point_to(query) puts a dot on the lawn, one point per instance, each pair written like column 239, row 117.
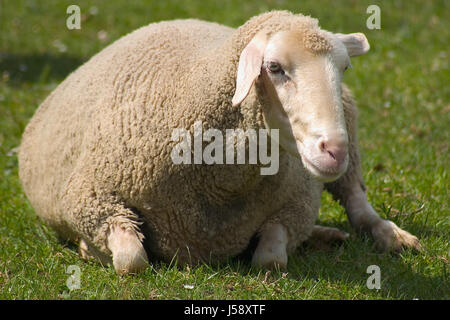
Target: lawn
column 402, row 89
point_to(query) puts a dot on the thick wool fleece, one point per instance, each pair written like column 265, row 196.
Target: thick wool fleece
column 97, row 151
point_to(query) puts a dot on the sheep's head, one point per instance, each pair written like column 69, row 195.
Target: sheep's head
column 299, row 75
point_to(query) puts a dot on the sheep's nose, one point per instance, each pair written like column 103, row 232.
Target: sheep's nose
column 334, row 152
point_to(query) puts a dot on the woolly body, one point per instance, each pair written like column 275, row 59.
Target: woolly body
column 97, row 152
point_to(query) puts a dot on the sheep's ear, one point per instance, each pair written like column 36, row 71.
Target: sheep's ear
column 356, row 43
column 249, row 67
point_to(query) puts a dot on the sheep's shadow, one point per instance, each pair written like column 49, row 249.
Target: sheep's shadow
column 344, row 265
column 43, row 67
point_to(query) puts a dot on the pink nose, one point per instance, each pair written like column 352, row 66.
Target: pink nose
column 334, row 153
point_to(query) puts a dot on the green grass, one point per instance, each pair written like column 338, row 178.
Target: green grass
column 402, row 89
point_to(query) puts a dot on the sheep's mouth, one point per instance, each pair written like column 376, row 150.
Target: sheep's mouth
column 323, row 175
column 296, row 149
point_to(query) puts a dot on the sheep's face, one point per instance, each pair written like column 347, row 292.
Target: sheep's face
column 300, row 79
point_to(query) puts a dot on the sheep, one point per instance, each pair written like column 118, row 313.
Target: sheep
column 95, row 159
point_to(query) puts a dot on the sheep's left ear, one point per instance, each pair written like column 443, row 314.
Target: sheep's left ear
column 249, row 67
column 356, row 43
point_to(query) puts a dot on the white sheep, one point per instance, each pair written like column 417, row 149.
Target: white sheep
column 95, row 160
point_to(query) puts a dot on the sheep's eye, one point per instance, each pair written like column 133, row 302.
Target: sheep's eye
column 348, row 66
column 274, row 67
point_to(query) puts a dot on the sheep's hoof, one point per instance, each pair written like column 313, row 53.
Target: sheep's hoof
column 130, row 262
column 389, row 237
column 327, row 234
column 271, row 250
column 128, row 253
column 270, row 260
column 83, row 249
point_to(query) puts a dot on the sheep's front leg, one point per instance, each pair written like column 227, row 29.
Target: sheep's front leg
column 128, row 253
column 349, row 190
column 271, row 250
column 387, row 235
column 107, row 229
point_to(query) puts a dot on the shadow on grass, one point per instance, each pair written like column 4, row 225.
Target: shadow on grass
column 340, row 270
column 345, row 265
column 29, row 68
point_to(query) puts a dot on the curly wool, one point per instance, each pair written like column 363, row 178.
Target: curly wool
column 97, row 151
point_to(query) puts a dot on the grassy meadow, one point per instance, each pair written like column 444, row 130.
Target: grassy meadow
column 403, row 93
